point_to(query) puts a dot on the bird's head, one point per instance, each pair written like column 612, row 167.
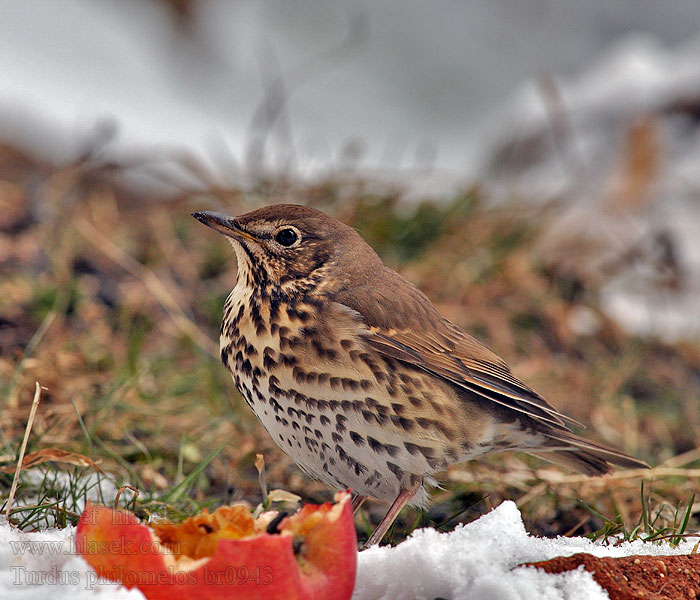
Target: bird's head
column 294, row 249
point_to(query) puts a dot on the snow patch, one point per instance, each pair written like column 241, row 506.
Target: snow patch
column 479, row 561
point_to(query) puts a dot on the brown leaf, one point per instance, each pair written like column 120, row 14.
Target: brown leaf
column 53, row 454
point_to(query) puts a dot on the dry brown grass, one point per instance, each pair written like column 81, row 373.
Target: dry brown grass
column 111, row 300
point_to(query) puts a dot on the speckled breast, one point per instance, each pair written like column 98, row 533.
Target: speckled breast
column 344, row 413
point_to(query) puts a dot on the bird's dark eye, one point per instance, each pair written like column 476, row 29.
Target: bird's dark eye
column 286, row 237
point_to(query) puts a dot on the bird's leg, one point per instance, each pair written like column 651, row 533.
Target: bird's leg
column 402, row 499
column 357, row 501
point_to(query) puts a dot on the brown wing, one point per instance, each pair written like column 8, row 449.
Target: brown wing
column 463, row 361
column 404, row 325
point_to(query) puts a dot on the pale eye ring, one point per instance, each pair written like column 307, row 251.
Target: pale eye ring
column 287, row 236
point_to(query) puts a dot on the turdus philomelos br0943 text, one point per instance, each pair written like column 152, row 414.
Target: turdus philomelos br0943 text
column 358, row 377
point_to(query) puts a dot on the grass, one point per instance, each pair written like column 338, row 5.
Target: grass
column 112, row 301
column 663, row 522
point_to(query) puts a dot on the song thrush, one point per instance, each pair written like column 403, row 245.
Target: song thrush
column 357, row 376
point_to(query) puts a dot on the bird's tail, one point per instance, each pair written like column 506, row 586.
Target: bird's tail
column 583, row 455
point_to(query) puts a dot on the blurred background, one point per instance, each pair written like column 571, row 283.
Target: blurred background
column 534, row 166
column 589, row 102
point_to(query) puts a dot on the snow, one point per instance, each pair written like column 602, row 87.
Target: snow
column 636, row 83
column 43, row 565
column 71, row 491
column 477, row 561
column 404, row 100
column 480, row 561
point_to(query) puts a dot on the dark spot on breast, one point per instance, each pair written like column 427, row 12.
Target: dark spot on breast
column 395, row 469
column 225, row 353
column 274, row 307
column 389, row 363
column 403, row 422
column 424, row 423
column 398, row 408
column 289, row 360
column 391, row 450
column 357, row 438
column 412, row 448
column 417, row 402
column 427, row 452
column 444, row 430
column 437, row 407
column 371, row 402
column 350, row 384
column 346, row 344
column 325, row 420
column 374, row 444
column 367, row 359
column 298, row 315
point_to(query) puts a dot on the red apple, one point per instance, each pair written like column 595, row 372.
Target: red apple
column 312, row 555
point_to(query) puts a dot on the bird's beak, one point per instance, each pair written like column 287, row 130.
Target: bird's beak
column 223, row 224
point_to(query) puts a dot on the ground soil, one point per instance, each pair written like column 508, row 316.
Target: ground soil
column 635, row 577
